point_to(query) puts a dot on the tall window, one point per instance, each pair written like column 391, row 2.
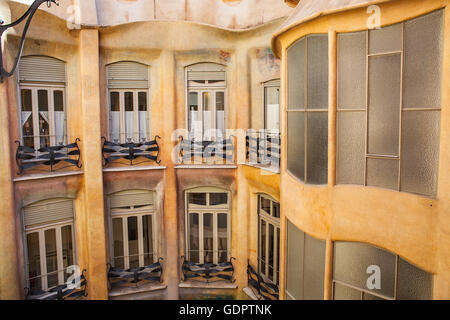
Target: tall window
column 272, row 106
column 269, row 238
column 307, row 112
column 42, row 83
column 208, row 226
column 207, row 101
column 305, row 265
column 389, row 106
column 129, row 102
column 132, row 229
column 365, row 272
column 50, row 243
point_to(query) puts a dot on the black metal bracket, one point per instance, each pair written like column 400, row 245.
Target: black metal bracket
column 28, row 16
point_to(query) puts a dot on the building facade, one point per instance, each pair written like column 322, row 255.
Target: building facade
column 162, row 150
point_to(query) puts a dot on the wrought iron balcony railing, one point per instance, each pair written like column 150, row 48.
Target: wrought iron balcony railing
column 135, row 277
column 48, row 158
column 262, row 289
column 62, row 292
column 207, row 152
column 263, row 148
column 130, row 154
column 208, row 272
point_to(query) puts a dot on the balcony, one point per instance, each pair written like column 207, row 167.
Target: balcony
column 207, row 275
column 258, row 288
column 209, row 153
column 263, row 149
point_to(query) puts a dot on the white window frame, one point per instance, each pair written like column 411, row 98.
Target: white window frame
column 275, row 83
column 268, row 218
column 122, row 120
column 50, row 88
column 139, row 213
column 43, row 262
column 215, row 211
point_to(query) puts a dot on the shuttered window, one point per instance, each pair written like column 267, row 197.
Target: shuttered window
column 48, row 211
column 133, row 229
column 42, row 69
column 129, row 102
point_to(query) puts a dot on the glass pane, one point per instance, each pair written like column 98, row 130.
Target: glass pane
column 278, row 257
column 143, row 115
column 208, row 237
column 420, row 152
column 114, row 117
column 366, row 296
column 294, row 261
column 423, row 61
column 207, row 115
column 44, row 127
column 296, row 75
column 220, row 114
column 342, row 292
column 352, row 71
column 34, row 261
column 317, row 72
column 60, row 117
column 129, row 116
column 272, row 108
column 194, row 237
column 133, row 244
column 51, row 257
column 386, row 39
column 276, row 209
column 265, row 205
column 296, row 144
column 317, row 155
column 382, row 173
column 197, row 198
column 193, row 122
column 222, row 233
column 413, row 283
column 314, row 269
column 67, row 248
column 43, row 100
column 271, row 250
column 384, row 104
column 218, row 199
column 351, row 262
column 351, row 153
column 262, row 257
column 27, row 118
column 118, row 243
column 148, row 239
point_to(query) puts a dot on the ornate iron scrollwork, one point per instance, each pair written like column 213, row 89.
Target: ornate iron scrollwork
column 264, row 290
column 28, row 15
column 28, row 158
column 147, row 151
column 206, row 150
column 208, row 272
column 135, row 277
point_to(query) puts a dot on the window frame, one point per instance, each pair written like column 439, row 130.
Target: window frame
column 207, row 209
column 274, row 83
column 268, row 218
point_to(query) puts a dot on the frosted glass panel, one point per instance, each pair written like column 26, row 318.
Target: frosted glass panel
column 317, row 72
column 296, row 144
column 294, row 261
column 351, row 260
column 352, row 71
column 317, row 154
column 382, row 173
column 386, row 39
column 423, row 61
column 351, row 147
column 413, row 283
column 384, row 104
column 314, row 268
column 342, row 292
column 296, row 75
column 420, row 148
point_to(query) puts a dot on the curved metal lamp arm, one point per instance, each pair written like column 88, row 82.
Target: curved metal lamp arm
column 30, row 13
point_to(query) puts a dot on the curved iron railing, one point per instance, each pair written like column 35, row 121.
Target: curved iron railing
column 146, row 151
column 134, row 277
column 208, row 272
column 204, row 151
column 264, row 290
column 263, row 148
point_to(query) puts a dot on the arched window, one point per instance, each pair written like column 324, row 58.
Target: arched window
column 133, row 229
column 206, row 118
column 208, row 217
column 50, row 243
column 42, row 82
column 129, row 102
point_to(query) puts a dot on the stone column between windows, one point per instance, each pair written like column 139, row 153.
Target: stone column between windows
column 91, row 213
column 10, row 285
